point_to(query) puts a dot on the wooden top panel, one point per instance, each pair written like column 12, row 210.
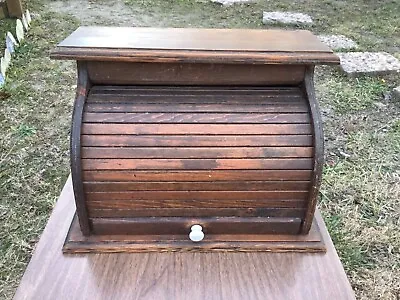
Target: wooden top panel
column 194, row 39
column 194, row 45
column 52, row 275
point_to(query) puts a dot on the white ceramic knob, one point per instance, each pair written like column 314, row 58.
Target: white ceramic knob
column 196, row 234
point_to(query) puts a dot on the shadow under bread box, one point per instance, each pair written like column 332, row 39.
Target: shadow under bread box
column 195, row 139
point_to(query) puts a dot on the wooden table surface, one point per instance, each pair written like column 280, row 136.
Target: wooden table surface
column 52, row 275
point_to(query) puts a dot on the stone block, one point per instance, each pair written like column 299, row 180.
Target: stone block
column 368, row 63
column 292, row 18
column 336, row 42
column 231, row 2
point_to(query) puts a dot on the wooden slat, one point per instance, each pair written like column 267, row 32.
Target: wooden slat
column 200, row 118
column 197, row 164
column 236, row 92
column 192, row 197
column 225, row 99
column 198, row 212
column 196, row 140
column 193, row 129
column 176, row 225
column 287, row 107
column 210, row 175
column 200, row 90
column 197, row 186
column 191, row 152
column 193, row 204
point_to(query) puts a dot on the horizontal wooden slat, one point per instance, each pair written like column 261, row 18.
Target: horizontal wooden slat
column 198, row 212
column 264, row 100
column 197, row 186
column 281, row 107
column 210, row 175
column 190, row 196
column 193, row 129
column 171, row 225
column 197, row 164
column 192, row 99
column 197, row 118
column 197, row 95
column 204, row 152
column 185, row 203
column 194, row 90
column 196, row 140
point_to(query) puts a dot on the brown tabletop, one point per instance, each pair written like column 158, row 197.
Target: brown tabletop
column 52, row 275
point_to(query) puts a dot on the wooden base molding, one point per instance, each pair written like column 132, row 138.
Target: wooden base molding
column 76, row 242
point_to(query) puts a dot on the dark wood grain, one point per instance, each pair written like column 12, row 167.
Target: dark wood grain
column 181, row 225
column 190, row 107
column 14, row 8
column 201, row 57
column 241, row 40
column 83, row 86
column 197, row 129
column 220, row 275
column 210, row 175
column 311, row 243
column 180, row 119
column 202, row 118
column 194, row 45
column 154, row 152
column 266, row 94
column 122, row 73
column 196, row 196
column 198, row 212
column 164, row 202
column 199, row 152
column 318, row 149
column 196, row 186
column 176, row 94
column 199, row 138
column 197, row 164
column 127, row 140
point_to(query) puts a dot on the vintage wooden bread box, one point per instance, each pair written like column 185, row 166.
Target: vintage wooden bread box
column 206, row 139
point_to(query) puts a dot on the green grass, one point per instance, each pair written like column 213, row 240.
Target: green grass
column 373, row 24
column 35, row 121
column 349, row 95
column 360, row 194
column 361, row 183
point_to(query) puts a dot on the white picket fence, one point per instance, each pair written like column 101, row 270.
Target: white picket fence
column 22, row 25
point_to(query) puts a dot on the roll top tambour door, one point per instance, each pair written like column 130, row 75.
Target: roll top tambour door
column 196, row 151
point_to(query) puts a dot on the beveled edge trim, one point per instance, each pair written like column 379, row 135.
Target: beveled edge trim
column 83, row 86
column 194, row 56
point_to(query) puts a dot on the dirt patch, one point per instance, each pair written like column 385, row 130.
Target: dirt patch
column 96, row 13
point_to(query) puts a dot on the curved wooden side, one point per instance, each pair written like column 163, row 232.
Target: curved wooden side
column 318, row 141
column 75, row 147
